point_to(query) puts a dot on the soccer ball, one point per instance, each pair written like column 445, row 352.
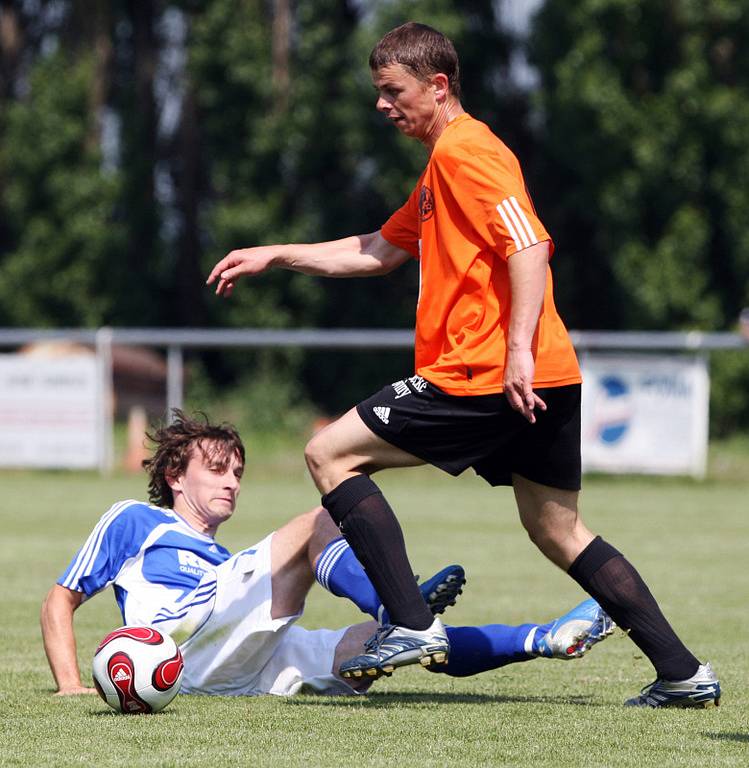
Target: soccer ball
column 137, row 670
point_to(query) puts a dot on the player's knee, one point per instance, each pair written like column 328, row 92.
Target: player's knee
column 311, row 519
column 325, row 465
column 322, row 523
column 540, row 533
column 316, row 455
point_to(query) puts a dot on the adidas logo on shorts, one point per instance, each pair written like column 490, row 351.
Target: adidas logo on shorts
column 382, row 413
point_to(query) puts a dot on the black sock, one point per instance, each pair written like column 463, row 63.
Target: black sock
column 373, row 532
column 603, row 572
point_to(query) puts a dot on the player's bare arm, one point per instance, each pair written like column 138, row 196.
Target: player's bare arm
column 59, row 639
column 527, row 270
column 357, row 256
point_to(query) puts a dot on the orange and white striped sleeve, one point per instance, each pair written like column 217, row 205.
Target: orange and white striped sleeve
column 490, row 192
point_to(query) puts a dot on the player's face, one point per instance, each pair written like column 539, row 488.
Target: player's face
column 409, row 103
column 206, row 494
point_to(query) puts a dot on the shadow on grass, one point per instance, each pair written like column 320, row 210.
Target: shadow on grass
column 112, row 713
column 740, row 737
column 417, row 700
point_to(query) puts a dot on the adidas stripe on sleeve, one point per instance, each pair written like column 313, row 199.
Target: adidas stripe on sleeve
column 517, row 224
column 116, row 537
column 487, row 204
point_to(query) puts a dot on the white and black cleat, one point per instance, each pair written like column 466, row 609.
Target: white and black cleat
column 393, row 646
column 701, row 690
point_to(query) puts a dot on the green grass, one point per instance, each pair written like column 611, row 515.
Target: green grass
column 690, row 541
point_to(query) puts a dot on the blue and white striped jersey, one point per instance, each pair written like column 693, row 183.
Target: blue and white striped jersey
column 154, row 559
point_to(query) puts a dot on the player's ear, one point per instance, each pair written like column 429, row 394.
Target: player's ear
column 174, row 481
column 441, row 85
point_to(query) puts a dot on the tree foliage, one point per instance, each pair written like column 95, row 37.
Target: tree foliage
column 58, row 207
column 140, row 140
column 646, row 137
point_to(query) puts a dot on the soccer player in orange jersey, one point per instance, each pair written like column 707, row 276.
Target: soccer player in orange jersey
column 496, row 385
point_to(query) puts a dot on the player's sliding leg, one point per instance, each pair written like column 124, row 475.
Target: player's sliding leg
column 551, row 518
column 337, row 458
column 309, row 544
column 479, row 649
column 338, row 570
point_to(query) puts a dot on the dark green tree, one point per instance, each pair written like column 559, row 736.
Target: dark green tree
column 296, row 151
column 645, row 113
column 57, row 204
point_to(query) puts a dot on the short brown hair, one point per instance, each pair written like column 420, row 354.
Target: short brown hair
column 174, row 445
column 420, row 49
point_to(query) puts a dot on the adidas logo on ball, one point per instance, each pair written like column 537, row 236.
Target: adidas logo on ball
column 137, row 669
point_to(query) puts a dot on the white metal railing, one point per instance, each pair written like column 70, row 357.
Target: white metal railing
column 346, row 338
column 176, row 340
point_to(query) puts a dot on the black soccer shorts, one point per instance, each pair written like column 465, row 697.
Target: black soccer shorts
column 481, row 431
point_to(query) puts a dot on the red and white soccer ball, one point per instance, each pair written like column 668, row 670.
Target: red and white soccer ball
column 137, row 670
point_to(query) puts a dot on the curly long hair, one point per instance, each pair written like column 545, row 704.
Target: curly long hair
column 174, row 445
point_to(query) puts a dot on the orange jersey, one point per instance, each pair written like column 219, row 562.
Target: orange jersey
column 468, row 214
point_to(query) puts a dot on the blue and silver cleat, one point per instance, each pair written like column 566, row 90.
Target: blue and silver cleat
column 573, row 634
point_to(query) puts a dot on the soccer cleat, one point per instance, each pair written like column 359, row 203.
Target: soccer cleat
column 576, row 632
column 392, row 646
column 439, row 592
column 700, row 690
column 442, row 590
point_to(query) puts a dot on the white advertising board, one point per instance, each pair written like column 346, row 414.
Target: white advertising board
column 49, row 412
column 645, row 414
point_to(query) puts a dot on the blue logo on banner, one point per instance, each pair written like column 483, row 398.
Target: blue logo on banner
column 615, row 406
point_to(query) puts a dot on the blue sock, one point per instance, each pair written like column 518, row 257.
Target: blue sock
column 341, row 573
column 479, row 649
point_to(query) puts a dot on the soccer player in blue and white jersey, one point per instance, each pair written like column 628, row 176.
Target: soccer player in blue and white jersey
column 233, row 615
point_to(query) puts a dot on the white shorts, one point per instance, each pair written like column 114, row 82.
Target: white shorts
column 239, row 650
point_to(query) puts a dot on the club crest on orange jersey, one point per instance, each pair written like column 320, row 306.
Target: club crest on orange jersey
column 426, row 203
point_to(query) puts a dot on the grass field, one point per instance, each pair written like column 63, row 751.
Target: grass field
column 690, row 541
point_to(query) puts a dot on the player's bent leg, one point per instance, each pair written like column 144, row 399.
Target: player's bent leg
column 293, row 549
column 348, row 447
column 551, row 518
column 236, row 634
column 338, row 570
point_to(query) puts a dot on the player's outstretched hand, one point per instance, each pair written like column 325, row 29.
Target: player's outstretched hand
column 75, row 690
column 518, row 383
column 244, row 261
